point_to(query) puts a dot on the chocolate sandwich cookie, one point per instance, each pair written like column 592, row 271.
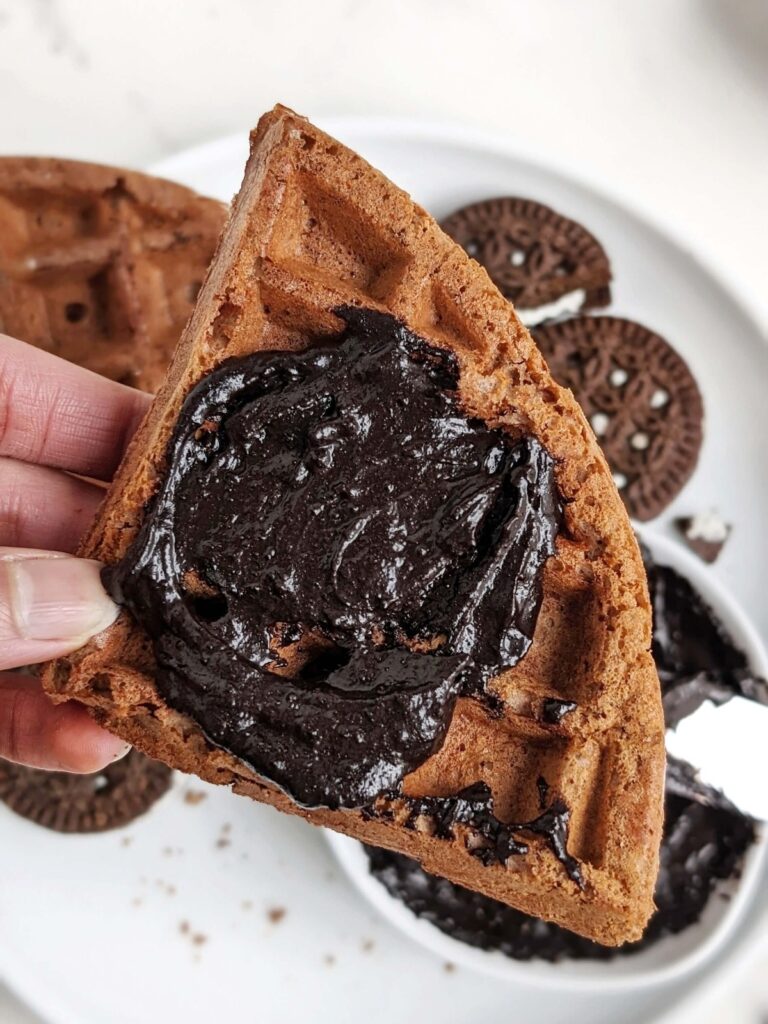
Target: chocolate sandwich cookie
column 101, row 265
column 545, row 263
column 641, row 399
column 97, row 802
column 705, row 836
column 705, row 534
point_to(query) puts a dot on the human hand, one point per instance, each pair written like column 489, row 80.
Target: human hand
column 55, row 420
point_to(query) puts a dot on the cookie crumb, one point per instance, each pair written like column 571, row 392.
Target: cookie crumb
column 196, row 938
column 329, row 959
column 705, row 533
column 223, row 841
column 367, row 945
column 448, row 967
column 137, row 901
column 126, row 840
column 276, row 914
column 193, row 797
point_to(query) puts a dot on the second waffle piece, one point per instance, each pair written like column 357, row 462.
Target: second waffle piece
column 101, row 265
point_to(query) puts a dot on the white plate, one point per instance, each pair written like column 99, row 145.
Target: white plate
column 673, row 956
column 73, row 943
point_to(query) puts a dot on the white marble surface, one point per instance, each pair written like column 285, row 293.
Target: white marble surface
column 668, row 98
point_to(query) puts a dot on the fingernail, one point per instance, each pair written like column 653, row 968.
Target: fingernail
column 58, row 598
column 122, row 751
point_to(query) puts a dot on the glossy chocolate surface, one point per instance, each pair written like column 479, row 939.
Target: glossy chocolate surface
column 696, row 658
column 336, row 552
column 496, row 841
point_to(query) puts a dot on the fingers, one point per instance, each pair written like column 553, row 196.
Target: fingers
column 59, row 415
column 43, row 508
column 50, row 604
column 59, row 737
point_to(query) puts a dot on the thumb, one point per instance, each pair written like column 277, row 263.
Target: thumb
column 50, row 604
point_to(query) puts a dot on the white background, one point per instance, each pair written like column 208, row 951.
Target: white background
column 667, row 98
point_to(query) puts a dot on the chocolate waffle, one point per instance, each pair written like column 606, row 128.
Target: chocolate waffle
column 546, row 790
column 100, row 265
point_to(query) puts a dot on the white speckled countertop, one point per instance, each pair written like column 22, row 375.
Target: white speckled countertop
column 667, row 97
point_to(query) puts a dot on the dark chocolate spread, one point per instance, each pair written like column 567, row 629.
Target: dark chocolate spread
column 705, row 838
column 695, row 657
column 705, row 835
column 335, row 553
column 498, row 840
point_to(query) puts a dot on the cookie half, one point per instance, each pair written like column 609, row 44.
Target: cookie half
column 641, row 399
column 96, row 802
column 545, row 263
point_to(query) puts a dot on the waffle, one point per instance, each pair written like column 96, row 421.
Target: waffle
column 99, row 265
column 313, row 228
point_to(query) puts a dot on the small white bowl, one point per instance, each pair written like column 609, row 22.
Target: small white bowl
column 666, row 960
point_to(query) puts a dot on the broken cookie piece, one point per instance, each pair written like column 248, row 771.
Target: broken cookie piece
column 705, row 533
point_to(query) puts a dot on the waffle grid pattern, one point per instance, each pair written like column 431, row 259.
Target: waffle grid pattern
column 96, row 273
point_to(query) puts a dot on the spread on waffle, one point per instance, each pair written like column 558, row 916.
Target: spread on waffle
column 101, row 265
column 705, row 842
column 394, row 559
column 706, row 838
column 510, row 739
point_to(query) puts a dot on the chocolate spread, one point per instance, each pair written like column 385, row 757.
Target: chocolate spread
column 336, row 552
column 695, row 657
column 705, row 836
column 495, row 841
